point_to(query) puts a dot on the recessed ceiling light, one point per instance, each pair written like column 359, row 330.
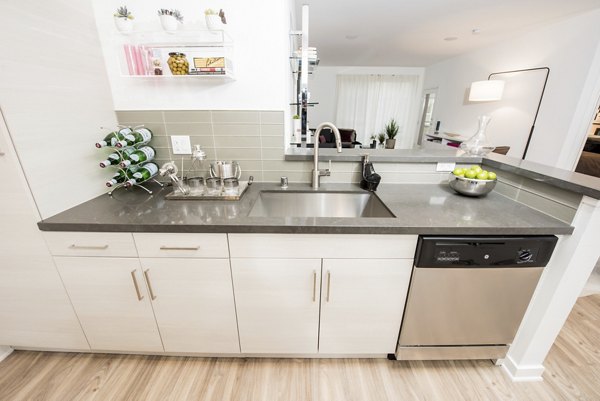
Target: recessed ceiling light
column 450, row 38
column 351, row 37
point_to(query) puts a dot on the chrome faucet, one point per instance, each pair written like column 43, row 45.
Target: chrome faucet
column 316, row 173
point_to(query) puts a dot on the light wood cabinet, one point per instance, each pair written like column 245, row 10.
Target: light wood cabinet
column 277, row 304
column 34, row 308
column 362, row 305
column 193, row 304
column 112, row 302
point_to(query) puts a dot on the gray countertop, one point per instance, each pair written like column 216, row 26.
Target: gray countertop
column 419, row 209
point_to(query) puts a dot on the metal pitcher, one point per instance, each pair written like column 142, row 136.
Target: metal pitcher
column 225, row 169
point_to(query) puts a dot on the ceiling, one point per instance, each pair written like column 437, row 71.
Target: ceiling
column 411, row 33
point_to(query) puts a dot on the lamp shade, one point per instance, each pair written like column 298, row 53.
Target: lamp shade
column 485, row 91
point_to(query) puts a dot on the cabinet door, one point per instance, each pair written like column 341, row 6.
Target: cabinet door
column 277, row 304
column 193, row 304
column 34, row 307
column 362, row 305
column 111, row 301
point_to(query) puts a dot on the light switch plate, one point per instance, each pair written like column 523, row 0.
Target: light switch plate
column 445, row 167
column 181, row 145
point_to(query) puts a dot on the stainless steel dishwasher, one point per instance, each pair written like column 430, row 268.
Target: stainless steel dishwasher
column 468, row 295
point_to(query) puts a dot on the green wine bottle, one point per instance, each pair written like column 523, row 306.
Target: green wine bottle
column 116, row 157
column 141, row 155
column 113, row 138
column 143, row 174
column 140, row 136
column 122, row 175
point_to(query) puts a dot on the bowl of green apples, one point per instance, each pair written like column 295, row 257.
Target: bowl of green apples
column 472, row 181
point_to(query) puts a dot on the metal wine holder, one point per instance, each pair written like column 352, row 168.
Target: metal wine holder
column 124, row 170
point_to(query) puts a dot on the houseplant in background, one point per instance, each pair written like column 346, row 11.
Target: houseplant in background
column 381, row 139
column 123, row 20
column 296, row 129
column 373, row 139
column 213, row 19
column 169, row 19
column 391, row 130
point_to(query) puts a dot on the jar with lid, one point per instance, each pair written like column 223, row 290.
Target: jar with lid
column 178, row 64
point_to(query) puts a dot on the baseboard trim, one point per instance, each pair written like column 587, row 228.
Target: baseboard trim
column 531, row 373
column 5, row 352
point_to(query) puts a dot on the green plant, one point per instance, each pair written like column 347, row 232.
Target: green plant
column 391, row 129
column 174, row 13
column 295, row 117
column 122, row 12
column 381, row 138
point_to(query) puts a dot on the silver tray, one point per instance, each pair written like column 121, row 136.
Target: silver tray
column 176, row 195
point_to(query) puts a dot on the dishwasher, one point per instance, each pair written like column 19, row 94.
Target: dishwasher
column 468, row 295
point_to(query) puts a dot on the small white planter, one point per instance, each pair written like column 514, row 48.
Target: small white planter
column 124, row 25
column 213, row 22
column 297, row 131
column 169, row 23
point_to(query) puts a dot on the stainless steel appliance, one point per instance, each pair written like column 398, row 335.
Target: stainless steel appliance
column 468, row 295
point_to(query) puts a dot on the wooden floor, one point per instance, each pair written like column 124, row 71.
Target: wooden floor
column 572, row 373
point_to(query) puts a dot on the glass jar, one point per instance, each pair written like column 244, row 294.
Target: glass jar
column 478, row 144
column 178, row 64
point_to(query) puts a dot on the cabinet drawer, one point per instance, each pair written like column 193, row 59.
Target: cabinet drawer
column 155, row 245
column 90, row 244
column 343, row 246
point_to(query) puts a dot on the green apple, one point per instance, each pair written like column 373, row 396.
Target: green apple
column 483, row 175
column 477, row 169
column 459, row 171
column 492, row 175
column 470, row 174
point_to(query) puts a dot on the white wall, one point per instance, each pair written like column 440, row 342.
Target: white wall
column 567, row 48
column 55, row 95
column 322, row 88
column 260, row 34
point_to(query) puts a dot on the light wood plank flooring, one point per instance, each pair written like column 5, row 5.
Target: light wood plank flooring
column 572, row 373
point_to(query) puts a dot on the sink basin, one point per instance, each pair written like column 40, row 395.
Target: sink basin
column 319, row 204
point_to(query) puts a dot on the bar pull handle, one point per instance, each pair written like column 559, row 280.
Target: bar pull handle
column 137, row 287
column 179, row 248
column 75, row 246
column 146, row 275
column 314, row 286
column 328, row 284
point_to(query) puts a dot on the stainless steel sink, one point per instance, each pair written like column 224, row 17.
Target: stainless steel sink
column 318, row 204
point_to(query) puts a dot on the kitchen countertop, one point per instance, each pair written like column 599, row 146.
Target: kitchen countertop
column 419, row 209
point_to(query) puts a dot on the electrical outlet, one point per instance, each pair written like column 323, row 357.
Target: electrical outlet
column 445, row 167
column 181, row 145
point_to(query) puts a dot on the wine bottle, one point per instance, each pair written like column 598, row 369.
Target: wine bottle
column 143, row 174
column 114, row 137
column 141, row 155
column 122, row 175
column 140, row 136
column 117, row 157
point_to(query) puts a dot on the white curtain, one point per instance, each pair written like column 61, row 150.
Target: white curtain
column 367, row 103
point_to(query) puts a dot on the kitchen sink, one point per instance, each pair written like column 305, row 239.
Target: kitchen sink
column 319, row 204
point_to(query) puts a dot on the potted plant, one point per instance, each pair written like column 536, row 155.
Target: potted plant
column 381, row 139
column 123, row 20
column 373, row 139
column 169, row 19
column 296, row 129
column 391, row 130
column 213, row 19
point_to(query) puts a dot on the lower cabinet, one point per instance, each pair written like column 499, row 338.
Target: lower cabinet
column 193, row 304
column 112, row 302
column 277, row 304
column 330, row 306
column 362, row 303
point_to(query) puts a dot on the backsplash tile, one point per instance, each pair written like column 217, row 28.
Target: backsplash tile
column 192, row 129
column 236, row 117
column 236, row 129
column 271, row 117
column 189, row 116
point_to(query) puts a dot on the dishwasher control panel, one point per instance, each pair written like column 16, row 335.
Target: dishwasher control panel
column 484, row 251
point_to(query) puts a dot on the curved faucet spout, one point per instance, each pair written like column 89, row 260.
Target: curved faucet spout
column 317, row 174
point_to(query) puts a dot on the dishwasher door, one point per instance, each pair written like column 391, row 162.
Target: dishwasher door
column 467, row 305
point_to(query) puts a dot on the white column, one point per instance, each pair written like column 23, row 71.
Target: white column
column 4, row 352
column 562, row 281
